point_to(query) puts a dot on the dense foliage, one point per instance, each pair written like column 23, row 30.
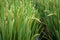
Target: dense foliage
column 29, row 20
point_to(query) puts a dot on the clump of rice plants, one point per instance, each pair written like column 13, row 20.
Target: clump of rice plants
column 18, row 20
column 49, row 11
